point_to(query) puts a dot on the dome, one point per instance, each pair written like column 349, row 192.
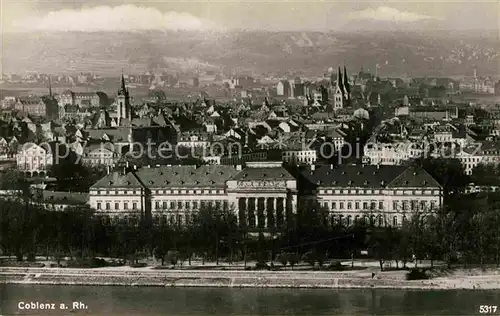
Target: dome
column 361, row 114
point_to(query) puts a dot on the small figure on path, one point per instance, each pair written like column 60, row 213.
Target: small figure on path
column 373, row 275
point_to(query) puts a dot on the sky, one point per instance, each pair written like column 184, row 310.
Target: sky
column 326, row 15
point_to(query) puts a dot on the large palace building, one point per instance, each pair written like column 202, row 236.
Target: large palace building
column 265, row 194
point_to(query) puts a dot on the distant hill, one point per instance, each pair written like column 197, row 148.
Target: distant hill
column 259, row 52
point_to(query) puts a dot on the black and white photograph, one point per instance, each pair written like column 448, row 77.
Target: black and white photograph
column 249, row 157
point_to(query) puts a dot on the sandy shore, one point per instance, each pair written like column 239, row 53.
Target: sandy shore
column 284, row 279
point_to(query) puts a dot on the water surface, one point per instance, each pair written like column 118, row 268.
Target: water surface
column 113, row 300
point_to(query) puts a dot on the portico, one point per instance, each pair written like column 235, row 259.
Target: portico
column 264, row 196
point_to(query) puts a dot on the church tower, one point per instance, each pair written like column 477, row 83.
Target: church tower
column 347, row 86
column 338, row 97
column 123, row 109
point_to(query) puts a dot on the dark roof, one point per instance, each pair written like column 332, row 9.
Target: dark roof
column 118, row 180
column 368, row 176
column 414, row 177
column 119, row 134
column 186, row 176
column 260, row 173
column 65, row 198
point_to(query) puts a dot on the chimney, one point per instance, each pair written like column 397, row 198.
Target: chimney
column 238, row 167
column 108, row 169
column 378, row 166
column 331, row 167
column 313, row 167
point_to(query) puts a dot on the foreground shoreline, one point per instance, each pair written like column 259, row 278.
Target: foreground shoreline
column 242, row 279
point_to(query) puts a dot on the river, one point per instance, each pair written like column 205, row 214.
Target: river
column 113, row 300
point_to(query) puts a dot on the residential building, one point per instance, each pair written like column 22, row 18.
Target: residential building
column 480, row 153
column 392, row 153
column 100, row 154
column 82, row 99
column 38, row 107
column 33, row 159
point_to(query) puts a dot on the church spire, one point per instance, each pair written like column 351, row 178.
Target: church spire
column 339, row 79
column 123, row 107
column 50, row 88
column 123, row 87
column 347, row 88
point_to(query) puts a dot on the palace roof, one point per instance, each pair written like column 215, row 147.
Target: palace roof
column 369, row 176
column 263, row 173
column 342, row 176
column 186, row 176
column 118, row 180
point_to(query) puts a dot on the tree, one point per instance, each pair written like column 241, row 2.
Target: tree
column 12, row 180
column 293, row 259
column 450, row 173
column 310, row 258
column 283, row 259
column 485, row 174
column 381, row 242
column 162, row 235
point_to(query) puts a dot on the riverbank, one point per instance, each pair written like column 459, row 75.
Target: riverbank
column 126, row 276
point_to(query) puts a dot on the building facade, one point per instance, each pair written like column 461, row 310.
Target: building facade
column 33, row 159
column 265, row 194
column 82, row 99
column 38, row 107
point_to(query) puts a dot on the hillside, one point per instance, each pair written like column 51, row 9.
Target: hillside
column 398, row 53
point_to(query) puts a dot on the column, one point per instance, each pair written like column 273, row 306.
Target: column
column 256, row 212
column 286, row 203
column 244, row 213
column 265, row 213
column 237, row 208
column 275, row 212
column 294, row 204
column 249, row 211
column 247, row 215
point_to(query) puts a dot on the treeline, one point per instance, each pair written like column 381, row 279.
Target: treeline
column 464, row 233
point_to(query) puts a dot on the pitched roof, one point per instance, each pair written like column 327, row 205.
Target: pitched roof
column 65, row 198
column 260, row 173
column 115, row 134
column 414, row 177
column 118, row 180
column 368, row 176
column 186, row 176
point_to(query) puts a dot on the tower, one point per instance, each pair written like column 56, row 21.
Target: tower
column 347, row 86
column 50, row 88
column 339, row 97
column 123, row 110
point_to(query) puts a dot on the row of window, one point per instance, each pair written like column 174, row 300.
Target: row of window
column 107, row 206
column 189, row 192
column 107, row 192
column 396, row 205
column 413, row 205
column 372, row 220
column 190, row 204
column 357, row 205
column 371, row 191
column 300, row 153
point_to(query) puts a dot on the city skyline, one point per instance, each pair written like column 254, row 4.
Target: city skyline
column 255, row 15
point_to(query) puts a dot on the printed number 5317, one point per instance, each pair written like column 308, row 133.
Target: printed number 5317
column 487, row 309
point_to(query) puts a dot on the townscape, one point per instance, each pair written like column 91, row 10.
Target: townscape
column 349, row 165
column 249, row 157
